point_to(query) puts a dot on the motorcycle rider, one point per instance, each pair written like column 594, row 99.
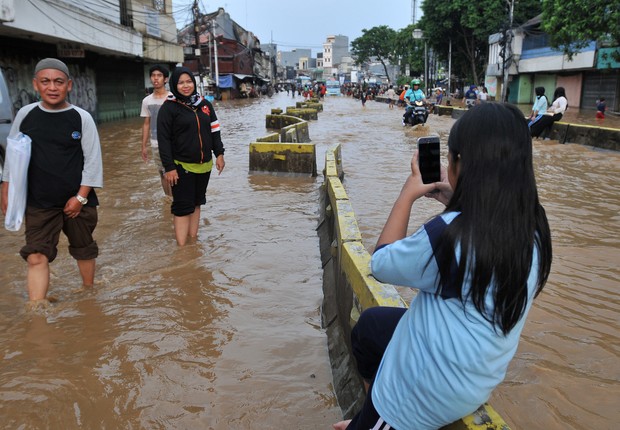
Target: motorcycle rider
column 412, row 95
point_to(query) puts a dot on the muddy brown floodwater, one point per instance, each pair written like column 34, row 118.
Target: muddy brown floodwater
column 226, row 334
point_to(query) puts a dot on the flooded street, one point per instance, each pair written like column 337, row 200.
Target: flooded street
column 226, row 333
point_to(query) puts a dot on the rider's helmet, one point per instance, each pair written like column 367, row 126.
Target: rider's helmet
column 415, row 82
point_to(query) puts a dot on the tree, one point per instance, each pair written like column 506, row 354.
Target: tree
column 408, row 51
column 377, row 43
column 572, row 25
column 468, row 24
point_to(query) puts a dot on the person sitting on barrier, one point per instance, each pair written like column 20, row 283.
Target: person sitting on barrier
column 540, row 106
column 542, row 128
column 477, row 266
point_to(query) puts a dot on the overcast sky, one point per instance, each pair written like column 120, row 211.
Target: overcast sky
column 304, row 24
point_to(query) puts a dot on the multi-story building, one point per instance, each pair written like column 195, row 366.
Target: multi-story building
column 334, row 49
column 108, row 46
column 531, row 62
column 227, row 51
column 292, row 58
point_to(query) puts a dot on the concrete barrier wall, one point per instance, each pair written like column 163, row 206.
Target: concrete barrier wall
column 287, row 151
column 304, row 113
column 273, row 137
column 349, row 288
column 277, row 121
column 283, row 157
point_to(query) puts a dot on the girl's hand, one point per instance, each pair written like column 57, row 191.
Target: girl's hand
column 172, row 177
column 442, row 190
column 414, row 188
column 219, row 164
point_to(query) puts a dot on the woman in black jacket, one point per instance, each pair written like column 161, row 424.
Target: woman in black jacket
column 188, row 133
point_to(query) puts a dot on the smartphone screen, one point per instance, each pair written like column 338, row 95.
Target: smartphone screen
column 428, row 159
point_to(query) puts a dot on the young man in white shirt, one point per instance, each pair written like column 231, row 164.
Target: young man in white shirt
column 150, row 107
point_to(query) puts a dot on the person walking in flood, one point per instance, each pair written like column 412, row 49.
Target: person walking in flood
column 477, row 266
column 65, row 168
column 150, row 108
column 188, row 133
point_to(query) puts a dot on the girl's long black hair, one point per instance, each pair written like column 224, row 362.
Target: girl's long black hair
column 501, row 219
column 540, row 92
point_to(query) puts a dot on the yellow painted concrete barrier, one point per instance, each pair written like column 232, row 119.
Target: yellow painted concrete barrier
column 283, row 157
column 349, row 288
column 287, row 151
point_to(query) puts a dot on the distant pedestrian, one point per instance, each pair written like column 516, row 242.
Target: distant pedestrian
column 401, row 97
column 363, row 96
column 483, row 95
column 439, row 95
column 391, row 95
column 600, row 108
column 471, row 97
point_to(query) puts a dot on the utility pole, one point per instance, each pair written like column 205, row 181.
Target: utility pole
column 217, row 69
column 197, row 52
column 507, row 60
column 449, row 66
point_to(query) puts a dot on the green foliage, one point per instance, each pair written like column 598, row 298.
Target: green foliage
column 409, row 51
column 377, row 43
column 572, row 25
column 468, row 24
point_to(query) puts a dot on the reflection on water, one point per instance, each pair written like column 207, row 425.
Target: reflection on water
column 225, row 334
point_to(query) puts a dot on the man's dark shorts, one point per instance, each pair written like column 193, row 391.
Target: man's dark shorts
column 43, row 227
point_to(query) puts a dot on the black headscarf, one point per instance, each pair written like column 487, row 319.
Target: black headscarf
column 193, row 99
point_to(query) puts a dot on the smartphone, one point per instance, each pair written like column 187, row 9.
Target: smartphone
column 428, row 159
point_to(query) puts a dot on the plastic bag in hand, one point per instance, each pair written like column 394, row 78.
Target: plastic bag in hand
column 17, row 158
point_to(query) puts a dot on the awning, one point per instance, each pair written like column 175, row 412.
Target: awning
column 242, row 77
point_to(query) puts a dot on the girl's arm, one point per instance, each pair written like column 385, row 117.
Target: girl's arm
column 396, row 225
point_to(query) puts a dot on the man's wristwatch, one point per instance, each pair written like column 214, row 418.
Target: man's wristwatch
column 82, row 200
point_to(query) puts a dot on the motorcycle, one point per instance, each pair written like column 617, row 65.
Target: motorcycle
column 415, row 113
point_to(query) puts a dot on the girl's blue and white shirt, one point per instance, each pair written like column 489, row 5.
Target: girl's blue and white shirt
column 445, row 358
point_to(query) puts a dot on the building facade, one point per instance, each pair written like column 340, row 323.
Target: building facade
column 592, row 73
column 229, row 54
column 334, row 49
column 107, row 45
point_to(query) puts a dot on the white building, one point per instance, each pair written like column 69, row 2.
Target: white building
column 334, row 49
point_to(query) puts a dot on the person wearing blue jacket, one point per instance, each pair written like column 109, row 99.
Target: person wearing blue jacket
column 188, row 135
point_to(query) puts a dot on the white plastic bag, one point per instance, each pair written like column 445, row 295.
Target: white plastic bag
column 17, row 158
